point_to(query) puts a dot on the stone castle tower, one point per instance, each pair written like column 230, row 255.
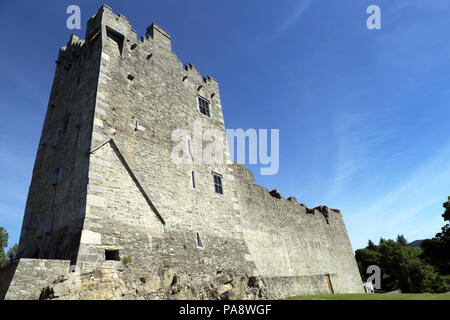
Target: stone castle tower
column 104, row 187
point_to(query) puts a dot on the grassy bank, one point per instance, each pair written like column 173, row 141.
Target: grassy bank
column 376, row 296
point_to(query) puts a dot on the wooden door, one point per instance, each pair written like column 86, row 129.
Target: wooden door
column 330, row 286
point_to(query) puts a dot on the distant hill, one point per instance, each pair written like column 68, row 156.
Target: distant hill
column 415, row 243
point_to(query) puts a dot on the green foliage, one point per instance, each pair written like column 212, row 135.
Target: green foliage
column 425, row 269
column 11, row 254
column 401, row 268
column 127, row 260
column 371, row 245
column 365, row 258
column 376, row 296
column 436, row 251
column 3, row 244
column 402, row 240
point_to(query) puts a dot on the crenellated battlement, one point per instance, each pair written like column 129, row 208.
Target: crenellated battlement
column 291, row 203
column 107, row 21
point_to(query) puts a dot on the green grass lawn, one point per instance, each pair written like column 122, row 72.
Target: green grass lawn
column 375, row 296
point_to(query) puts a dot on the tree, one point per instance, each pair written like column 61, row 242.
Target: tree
column 445, row 234
column 365, row 258
column 371, row 245
column 382, row 240
column 3, row 244
column 402, row 240
column 11, row 254
column 402, row 267
column 436, row 251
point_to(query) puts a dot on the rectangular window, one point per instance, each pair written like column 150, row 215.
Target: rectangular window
column 58, row 135
column 65, row 123
column 203, row 106
column 189, row 146
column 193, row 180
column 51, row 224
column 57, row 176
column 41, row 233
column 199, row 241
column 218, row 183
column 45, row 137
column 112, row 255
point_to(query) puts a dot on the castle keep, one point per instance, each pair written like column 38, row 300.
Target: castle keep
column 104, row 188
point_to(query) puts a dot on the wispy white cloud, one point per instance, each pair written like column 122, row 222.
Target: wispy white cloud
column 291, row 19
column 412, row 207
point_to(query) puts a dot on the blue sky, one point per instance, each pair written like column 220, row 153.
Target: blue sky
column 363, row 114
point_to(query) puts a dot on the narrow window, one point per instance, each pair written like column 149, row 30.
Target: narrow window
column 41, row 232
column 57, row 176
column 65, row 123
column 189, row 146
column 112, row 255
column 193, row 180
column 199, row 241
column 51, row 224
column 203, row 106
column 58, row 135
column 78, row 81
column 130, row 77
column 45, row 138
column 136, row 125
column 218, row 183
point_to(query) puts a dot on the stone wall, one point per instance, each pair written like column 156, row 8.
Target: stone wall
column 287, row 239
column 55, row 207
column 134, row 283
column 282, row 287
column 138, row 198
column 24, row 279
column 6, row 275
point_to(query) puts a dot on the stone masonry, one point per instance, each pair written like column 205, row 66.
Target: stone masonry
column 105, row 189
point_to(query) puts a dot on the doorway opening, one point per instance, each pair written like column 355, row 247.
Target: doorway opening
column 330, row 286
